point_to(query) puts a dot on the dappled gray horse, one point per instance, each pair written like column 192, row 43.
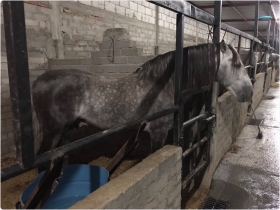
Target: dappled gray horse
column 274, row 57
column 61, row 97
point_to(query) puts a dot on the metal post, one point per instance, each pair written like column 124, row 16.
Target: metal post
column 274, row 27
column 267, row 42
column 239, row 43
column 256, row 28
column 157, row 30
column 251, row 72
column 178, row 116
column 15, row 35
column 216, row 38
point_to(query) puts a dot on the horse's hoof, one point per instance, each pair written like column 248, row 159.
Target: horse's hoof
column 18, row 205
column 82, row 124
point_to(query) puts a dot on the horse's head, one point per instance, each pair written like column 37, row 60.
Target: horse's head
column 232, row 74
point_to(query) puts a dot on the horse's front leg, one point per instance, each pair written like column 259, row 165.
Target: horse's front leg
column 50, row 140
column 158, row 135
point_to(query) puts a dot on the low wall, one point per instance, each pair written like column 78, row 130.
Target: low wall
column 258, row 90
column 268, row 80
column 231, row 117
column 153, row 183
column 274, row 75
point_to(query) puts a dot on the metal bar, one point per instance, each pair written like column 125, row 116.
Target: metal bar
column 251, row 72
column 274, row 27
column 193, row 120
column 239, row 4
column 196, row 145
column 256, row 29
column 249, row 66
column 256, row 25
column 267, row 42
column 178, row 116
column 188, row 93
column 16, row 169
column 157, row 29
column 183, row 7
column 239, row 43
column 43, row 188
column 240, row 20
column 17, row 57
column 126, row 149
column 268, row 32
column 260, row 63
column 273, row 12
column 238, row 32
column 193, row 12
column 211, row 118
column 216, row 38
column 194, row 173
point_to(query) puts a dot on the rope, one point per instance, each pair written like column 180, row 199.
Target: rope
column 113, row 56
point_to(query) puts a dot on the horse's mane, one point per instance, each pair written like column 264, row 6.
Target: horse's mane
column 199, row 65
column 155, row 68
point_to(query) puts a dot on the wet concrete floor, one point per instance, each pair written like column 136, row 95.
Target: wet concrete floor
column 249, row 178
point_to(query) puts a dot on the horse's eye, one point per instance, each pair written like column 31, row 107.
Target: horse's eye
column 237, row 64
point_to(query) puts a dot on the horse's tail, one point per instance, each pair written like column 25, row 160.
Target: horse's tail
column 37, row 131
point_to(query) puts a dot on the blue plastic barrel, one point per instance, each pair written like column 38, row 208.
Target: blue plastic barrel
column 76, row 182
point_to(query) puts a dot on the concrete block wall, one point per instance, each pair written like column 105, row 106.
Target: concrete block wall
column 230, row 119
column 258, row 90
column 153, row 183
column 275, row 74
column 126, row 66
column 267, row 80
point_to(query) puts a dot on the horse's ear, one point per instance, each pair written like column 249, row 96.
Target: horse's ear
column 223, row 46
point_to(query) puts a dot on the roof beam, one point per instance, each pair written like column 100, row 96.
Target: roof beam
column 241, row 20
column 273, row 12
column 241, row 15
column 239, row 4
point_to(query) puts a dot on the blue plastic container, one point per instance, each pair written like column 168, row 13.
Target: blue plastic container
column 76, row 182
column 265, row 17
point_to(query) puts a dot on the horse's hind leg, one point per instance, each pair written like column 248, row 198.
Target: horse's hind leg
column 50, row 141
column 158, row 138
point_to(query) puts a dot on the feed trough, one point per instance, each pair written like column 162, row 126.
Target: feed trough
column 76, row 182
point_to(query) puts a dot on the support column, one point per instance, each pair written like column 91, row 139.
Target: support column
column 17, row 57
column 257, row 5
column 178, row 116
column 216, row 38
column 56, row 29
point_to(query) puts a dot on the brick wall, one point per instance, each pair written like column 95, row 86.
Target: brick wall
column 153, row 183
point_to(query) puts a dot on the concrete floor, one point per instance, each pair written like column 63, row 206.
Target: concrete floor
column 249, row 178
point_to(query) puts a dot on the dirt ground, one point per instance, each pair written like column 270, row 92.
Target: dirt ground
column 98, row 154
